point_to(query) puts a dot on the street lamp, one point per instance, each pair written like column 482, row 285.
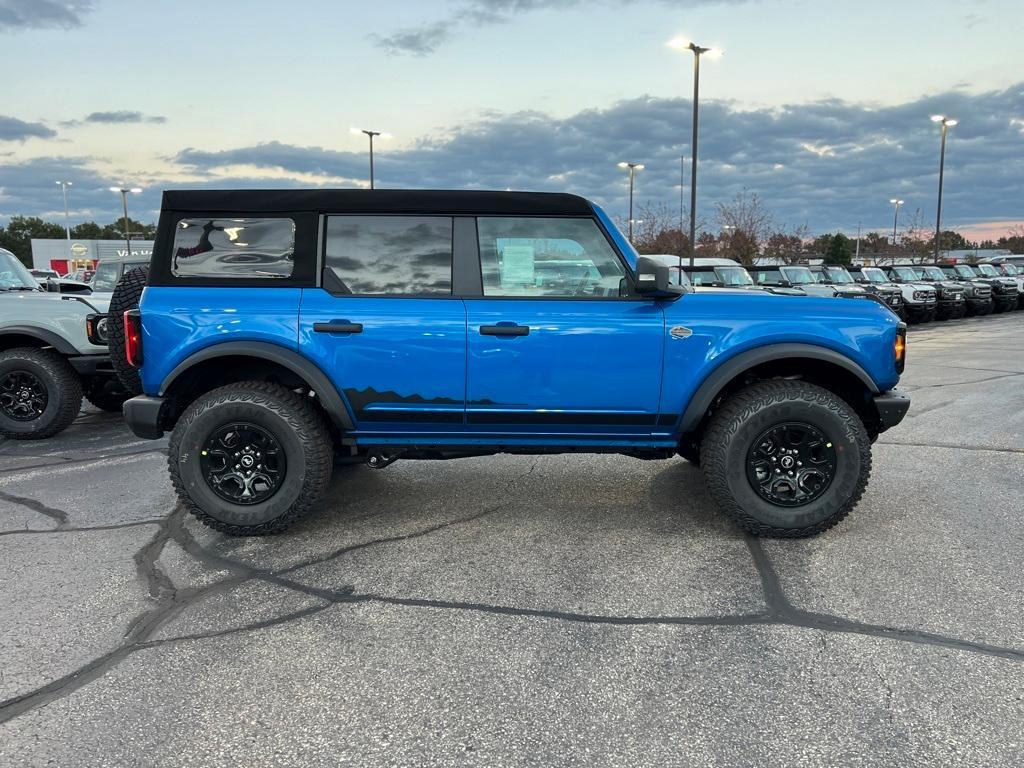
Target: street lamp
column 946, row 124
column 124, row 201
column 896, row 212
column 683, row 44
column 370, row 135
column 633, row 168
column 67, row 226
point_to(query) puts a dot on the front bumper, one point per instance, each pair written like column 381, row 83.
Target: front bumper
column 142, row 415
column 92, row 365
column 892, row 406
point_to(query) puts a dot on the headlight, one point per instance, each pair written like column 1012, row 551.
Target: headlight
column 922, row 295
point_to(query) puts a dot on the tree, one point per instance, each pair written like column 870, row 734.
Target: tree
column 782, row 247
column 915, row 243
column 657, row 231
column 738, row 245
column 19, row 232
column 840, row 250
column 950, row 241
column 87, row 230
column 746, row 214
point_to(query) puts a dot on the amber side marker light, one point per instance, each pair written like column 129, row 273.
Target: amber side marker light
column 900, row 348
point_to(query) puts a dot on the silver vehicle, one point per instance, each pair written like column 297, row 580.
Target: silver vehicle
column 47, row 359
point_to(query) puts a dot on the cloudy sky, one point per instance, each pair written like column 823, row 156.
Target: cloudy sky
column 820, row 108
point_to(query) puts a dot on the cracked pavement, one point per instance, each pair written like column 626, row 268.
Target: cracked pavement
column 561, row 610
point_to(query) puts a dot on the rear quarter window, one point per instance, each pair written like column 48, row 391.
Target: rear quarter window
column 222, row 248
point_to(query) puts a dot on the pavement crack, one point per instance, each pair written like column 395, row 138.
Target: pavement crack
column 953, row 446
column 58, row 515
column 782, row 611
column 255, row 626
column 84, row 528
column 389, row 540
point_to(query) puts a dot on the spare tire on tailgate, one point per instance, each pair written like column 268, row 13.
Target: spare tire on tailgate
column 126, row 296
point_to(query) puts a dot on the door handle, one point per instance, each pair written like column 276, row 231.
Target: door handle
column 508, row 329
column 338, row 326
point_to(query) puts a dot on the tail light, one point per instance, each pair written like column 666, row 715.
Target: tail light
column 900, row 348
column 133, row 337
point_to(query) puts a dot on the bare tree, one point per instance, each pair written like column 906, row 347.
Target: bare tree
column 915, row 244
column 746, row 213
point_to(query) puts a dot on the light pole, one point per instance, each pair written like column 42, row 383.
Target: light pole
column 124, row 201
column 946, row 124
column 633, row 168
column 895, row 215
column 698, row 51
column 370, row 135
column 67, row 225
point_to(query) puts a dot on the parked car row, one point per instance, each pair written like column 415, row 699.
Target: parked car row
column 918, row 293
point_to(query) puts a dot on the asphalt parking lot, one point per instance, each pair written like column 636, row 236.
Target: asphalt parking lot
column 567, row 610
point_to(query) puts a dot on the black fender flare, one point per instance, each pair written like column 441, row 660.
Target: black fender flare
column 309, row 372
column 724, row 373
column 44, row 335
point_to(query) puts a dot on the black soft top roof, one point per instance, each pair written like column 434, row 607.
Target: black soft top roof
column 376, row 201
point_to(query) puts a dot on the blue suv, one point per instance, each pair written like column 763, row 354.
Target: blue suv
column 282, row 331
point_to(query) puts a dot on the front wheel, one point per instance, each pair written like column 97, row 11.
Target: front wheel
column 250, row 459
column 40, row 394
column 786, row 459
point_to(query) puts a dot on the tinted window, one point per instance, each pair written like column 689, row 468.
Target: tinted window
column 767, row 276
column 548, row 257
column 391, row 255
column 106, row 276
column 234, row 248
column 703, row 277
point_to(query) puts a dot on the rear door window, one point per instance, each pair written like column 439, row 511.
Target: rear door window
column 389, row 255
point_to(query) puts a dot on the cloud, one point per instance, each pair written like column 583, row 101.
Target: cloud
column 13, row 129
column 829, row 164
column 416, row 42
column 115, row 117
column 427, row 38
column 43, row 14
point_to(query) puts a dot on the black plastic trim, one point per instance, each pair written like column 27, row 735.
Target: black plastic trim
column 326, row 392
column 724, row 373
column 892, row 406
column 92, row 365
column 142, row 415
column 42, row 334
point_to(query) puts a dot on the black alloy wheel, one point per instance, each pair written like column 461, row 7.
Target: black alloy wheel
column 791, row 464
column 243, row 463
column 22, row 396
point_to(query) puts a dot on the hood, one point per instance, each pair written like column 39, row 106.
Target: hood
column 52, row 303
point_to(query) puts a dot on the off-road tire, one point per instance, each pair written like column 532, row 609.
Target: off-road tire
column 107, row 394
column 293, row 421
column 126, row 296
column 738, row 423
column 63, row 392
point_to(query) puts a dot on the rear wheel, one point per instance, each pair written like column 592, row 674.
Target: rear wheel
column 250, row 459
column 126, row 296
column 40, row 394
column 786, row 459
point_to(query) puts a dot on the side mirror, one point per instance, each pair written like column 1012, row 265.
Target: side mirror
column 652, row 279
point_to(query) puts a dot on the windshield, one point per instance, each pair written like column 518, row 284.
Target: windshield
column 14, row 275
column 905, row 273
column 988, row 270
column 734, row 276
column 874, row 275
column 838, row 275
column 964, row 271
column 106, row 276
column 798, row 275
column 678, row 276
column 934, row 273
column 1010, row 270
